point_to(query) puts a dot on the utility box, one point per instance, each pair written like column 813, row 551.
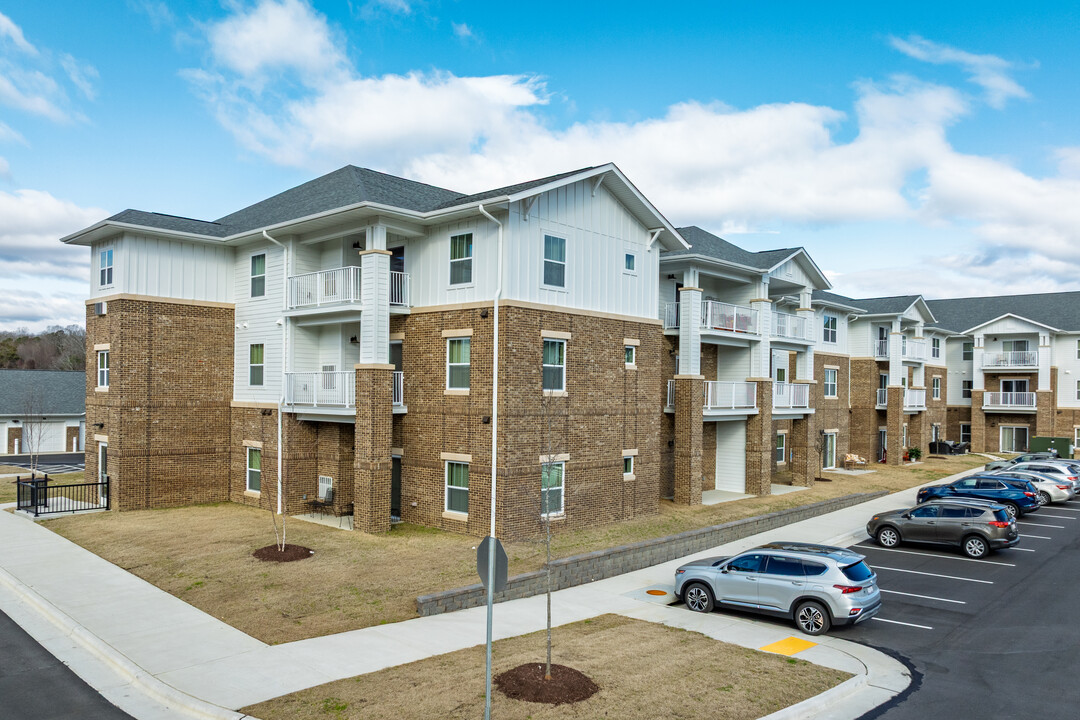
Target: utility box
column 1063, row 445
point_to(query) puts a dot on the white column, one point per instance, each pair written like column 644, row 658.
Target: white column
column 375, row 298
column 896, row 358
column 761, row 359
column 978, row 380
column 690, row 331
column 1044, row 361
column 805, row 360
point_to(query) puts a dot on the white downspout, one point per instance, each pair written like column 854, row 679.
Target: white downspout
column 284, row 354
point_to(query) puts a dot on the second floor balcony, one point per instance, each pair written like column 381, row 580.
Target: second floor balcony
column 338, row 287
column 1013, row 359
column 1014, row 401
column 792, row 327
column 334, row 392
column 913, row 350
column 721, row 396
column 791, row 396
column 914, row 399
column 718, row 316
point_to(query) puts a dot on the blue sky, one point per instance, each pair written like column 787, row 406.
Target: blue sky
column 926, row 148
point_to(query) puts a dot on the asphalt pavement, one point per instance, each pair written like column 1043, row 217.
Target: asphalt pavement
column 34, row 685
column 990, row 638
column 49, row 462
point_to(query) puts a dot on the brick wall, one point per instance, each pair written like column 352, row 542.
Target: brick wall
column 835, row 413
column 865, row 419
column 166, row 413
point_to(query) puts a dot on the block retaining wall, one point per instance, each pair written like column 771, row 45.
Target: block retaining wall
column 581, row 569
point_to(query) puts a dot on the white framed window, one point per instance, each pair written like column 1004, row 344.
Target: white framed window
column 967, row 352
column 965, row 389
column 903, row 436
column 551, row 488
column 554, row 365
column 781, row 448
column 829, row 334
column 628, row 465
column 1078, row 349
column 458, row 363
column 630, row 263
column 554, row 261
column 255, row 365
column 829, row 451
column 1076, row 437
column 935, row 347
column 829, row 385
column 461, row 257
column 103, row 369
column 965, row 432
column 258, row 275
column 457, row 487
column 630, row 354
column 105, row 267
column 254, row 469
column 935, row 387
column 1078, row 389
column 935, row 432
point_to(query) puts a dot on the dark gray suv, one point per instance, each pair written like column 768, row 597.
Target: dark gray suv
column 977, row 526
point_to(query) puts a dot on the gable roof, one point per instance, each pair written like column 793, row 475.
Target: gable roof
column 703, row 242
column 509, row 189
column 891, row 305
column 830, row 298
column 1055, row 310
column 57, row 392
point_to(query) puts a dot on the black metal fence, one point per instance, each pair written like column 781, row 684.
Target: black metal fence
column 41, row 496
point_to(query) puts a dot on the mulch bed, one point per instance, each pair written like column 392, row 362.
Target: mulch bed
column 271, row 553
column 526, row 682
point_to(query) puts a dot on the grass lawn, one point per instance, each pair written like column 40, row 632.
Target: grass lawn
column 202, row 554
column 7, row 486
column 643, row 670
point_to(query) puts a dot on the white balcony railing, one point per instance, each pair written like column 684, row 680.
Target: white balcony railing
column 399, row 288
column 881, row 348
column 722, row 395
column 397, row 392
column 914, row 399
column 671, row 316
column 1025, row 358
column 1018, row 400
column 791, row 395
column 733, row 318
column 882, row 396
column 326, row 287
column 914, row 350
column 785, row 325
column 321, row 389
column 671, row 393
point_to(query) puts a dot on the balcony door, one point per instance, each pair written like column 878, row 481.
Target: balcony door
column 882, row 444
column 1015, row 345
column 1014, row 439
column 828, row 460
column 397, row 259
column 1014, row 386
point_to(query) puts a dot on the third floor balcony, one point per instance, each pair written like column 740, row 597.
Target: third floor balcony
column 791, row 396
column 339, row 287
column 792, row 327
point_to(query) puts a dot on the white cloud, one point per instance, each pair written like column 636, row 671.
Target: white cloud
column 372, row 8
column 158, row 12
column 462, row 31
column 27, row 81
column 987, row 71
column 13, row 33
column 82, row 75
column 31, row 91
column 7, row 134
column 33, row 222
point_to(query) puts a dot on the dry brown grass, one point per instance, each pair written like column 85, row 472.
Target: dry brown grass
column 644, row 670
column 202, row 555
column 7, row 486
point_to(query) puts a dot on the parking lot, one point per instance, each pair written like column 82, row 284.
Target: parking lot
column 994, row 636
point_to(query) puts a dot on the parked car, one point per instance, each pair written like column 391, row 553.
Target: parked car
column 817, row 586
column 1057, row 469
column 1051, row 487
column 1026, row 457
column 977, row 526
column 1017, row 500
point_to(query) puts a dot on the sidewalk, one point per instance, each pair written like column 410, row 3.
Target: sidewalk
column 186, row 663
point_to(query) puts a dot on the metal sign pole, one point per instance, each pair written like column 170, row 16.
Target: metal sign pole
column 490, row 608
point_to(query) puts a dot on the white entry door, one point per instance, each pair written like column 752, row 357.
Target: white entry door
column 731, row 456
column 103, row 471
column 829, row 456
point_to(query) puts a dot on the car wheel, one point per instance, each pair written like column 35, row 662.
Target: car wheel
column 812, row 618
column 888, row 537
column 698, row 598
column 1044, row 497
column 1011, row 508
column 975, row 547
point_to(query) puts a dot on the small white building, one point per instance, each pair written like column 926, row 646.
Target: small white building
column 42, row 411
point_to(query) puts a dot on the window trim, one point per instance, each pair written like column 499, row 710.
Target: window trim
column 252, row 277
column 457, row 488
column 450, row 365
column 1078, row 389
column 103, row 370
column 562, row 490
column 780, row 447
column 935, row 387
column 632, row 257
column 464, row 259
column 543, row 267
column 630, row 472
column 543, row 366
column 630, row 350
column 828, row 328
column 935, row 348
column 103, row 268
column 247, row 476
column 253, row 365
column 967, row 354
column 835, row 383
column 965, row 392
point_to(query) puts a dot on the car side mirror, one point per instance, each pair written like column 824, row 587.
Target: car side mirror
column 906, row 516
column 724, row 570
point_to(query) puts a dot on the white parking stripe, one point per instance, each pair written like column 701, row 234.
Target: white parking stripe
column 1028, row 522
column 1057, row 517
column 947, row 577
column 935, row 555
column 1037, row 537
column 897, row 622
column 1057, row 506
column 1022, row 549
column 924, row 597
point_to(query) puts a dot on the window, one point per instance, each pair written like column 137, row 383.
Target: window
column 1014, row 345
column 554, row 261
column 551, row 488
column 457, row 363
column 103, row 369
column 968, row 351
column 926, row 512
column 786, row 566
column 1078, row 389
column 935, row 388
column 630, row 263
column 628, row 465
column 258, row 275
column 255, row 365
column 631, row 354
column 747, row 563
column 457, row 487
column 965, row 389
column 1076, row 437
column 965, row 432
column 830, row 329
column 461, row 255
column 781, row 375
column 781, row 447
column 1078, row 349
column 254, row 469
column 935, row 347
column 813, row 568
column 555, row 365
column 106, row 267
column 830, row 383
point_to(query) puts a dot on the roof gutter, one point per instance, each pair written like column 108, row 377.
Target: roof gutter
column 284, row 356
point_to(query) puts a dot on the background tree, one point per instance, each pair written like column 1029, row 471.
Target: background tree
column 33, row 427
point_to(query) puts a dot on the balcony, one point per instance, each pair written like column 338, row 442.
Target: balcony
column 340, row 286
column 722, row 396
column 1014, row 359
column 1009, row 401
column 792, row 327
column 397, row 390
column 913, row 350
column 881, row 349
column 334, row 392
column 790, row 396
column 914, row 400
column 718, row 316
column 882, row 397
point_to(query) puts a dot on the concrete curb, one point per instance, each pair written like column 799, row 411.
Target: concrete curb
column 821, row 702
column 143, row 681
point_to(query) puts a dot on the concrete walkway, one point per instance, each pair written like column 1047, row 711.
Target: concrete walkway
column 168, row 659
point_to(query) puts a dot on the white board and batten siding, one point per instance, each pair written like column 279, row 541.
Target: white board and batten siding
column 731, row 456
column 427, row 260
column 164, row 268
column 1065, row 359
column 958, row 371
column 256, row 320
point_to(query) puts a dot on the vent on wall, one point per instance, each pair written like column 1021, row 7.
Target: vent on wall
column 100, row 308
column 326, row 486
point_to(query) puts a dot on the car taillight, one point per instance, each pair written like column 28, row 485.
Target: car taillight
column 1072, row 479
column 1029, row 494
column 1063, row 487
column 999, row 523
column 848, row 589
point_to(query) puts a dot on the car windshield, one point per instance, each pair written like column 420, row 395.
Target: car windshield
column 858, row 572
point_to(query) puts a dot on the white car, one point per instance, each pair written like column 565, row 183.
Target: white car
column 1052, row 488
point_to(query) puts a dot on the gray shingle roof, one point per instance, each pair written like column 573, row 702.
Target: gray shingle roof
column 703, row 242
column 60, row 392
column 170, row 222
column 893, row 305
column 1058, row 310
column 508, row 189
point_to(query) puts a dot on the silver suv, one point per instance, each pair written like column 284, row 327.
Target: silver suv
column 815, row 585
